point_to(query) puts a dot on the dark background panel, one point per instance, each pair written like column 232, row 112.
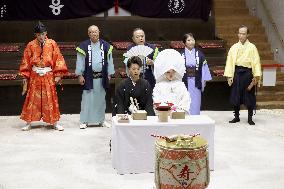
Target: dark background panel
column 215, row 97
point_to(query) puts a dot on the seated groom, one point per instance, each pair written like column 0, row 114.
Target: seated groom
column 133, row 89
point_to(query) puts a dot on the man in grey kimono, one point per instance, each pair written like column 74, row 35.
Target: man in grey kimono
column 94, row 66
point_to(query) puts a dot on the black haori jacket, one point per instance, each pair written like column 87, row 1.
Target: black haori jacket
column 85, row 49
column 198, row 68
column 141, row 91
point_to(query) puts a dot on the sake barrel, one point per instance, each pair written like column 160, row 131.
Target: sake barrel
column 182, row 163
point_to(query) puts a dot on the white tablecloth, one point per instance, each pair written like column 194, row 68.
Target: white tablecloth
column 133, row 147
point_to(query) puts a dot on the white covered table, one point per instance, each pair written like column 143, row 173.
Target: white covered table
column 133, row 146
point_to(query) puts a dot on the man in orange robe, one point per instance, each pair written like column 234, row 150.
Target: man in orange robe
column 42, row 68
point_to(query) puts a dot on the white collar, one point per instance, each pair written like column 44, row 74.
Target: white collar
column 133, row 82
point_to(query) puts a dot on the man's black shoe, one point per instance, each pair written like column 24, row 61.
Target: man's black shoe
column 251, row 122
column 235, row 120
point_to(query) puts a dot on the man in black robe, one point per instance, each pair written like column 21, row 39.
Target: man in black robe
column 134, row 87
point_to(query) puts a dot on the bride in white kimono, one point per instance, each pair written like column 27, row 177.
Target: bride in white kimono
column 169, row 69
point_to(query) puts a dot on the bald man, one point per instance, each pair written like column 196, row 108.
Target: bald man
column 147, row 68
column 94, row 66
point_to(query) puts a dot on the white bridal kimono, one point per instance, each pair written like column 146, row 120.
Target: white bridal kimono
column 174, row 92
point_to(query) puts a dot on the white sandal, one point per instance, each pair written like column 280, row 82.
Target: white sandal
column 83, row 126
column 58, row 127
column 106, row 124
column 27, row 127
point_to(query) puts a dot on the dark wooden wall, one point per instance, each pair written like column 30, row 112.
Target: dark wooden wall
column 112, row 29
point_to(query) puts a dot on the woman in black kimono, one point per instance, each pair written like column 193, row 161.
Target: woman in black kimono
column 139, row 89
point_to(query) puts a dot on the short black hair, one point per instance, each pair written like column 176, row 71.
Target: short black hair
column 136, row 29
column 244, row 26
column 134, row 60
column 185, row 36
